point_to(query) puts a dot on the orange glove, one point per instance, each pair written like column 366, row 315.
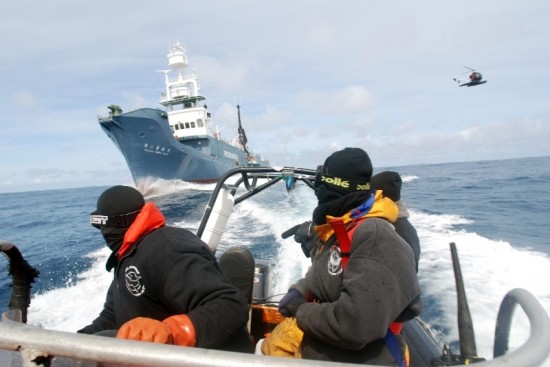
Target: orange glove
column 182, row 330
column 147, row 330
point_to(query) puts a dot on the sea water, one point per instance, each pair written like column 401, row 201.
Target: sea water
column 496, row 212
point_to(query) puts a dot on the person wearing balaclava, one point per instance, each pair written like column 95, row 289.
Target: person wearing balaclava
column 345, row 314
column 390, row 183
column 167, row 287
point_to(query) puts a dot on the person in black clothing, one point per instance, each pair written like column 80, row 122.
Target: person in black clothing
column 167, row 287
column 390, row 183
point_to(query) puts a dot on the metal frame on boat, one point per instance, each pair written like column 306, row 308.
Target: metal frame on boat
column 24, row 345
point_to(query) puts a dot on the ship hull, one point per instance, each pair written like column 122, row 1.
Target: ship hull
column 146, row 141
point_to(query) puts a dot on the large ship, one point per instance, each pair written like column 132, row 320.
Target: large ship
column 179, row 141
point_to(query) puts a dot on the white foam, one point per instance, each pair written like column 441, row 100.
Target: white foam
column 490, row 269
column 75, row 306
column 409, row 178
column 155, row 187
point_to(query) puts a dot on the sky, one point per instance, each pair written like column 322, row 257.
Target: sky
column 311, row 77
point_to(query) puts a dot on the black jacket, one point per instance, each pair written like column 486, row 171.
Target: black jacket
column 169, row 272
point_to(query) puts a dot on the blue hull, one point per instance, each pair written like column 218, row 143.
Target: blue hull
column 146, row 141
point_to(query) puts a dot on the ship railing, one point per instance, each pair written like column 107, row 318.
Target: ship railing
column 182, row 79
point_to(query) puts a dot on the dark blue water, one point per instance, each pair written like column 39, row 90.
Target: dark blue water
column 506, row 200
column 52, row 231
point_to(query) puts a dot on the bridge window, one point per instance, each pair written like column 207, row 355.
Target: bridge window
column 200, row 123
column 181, row 126
column 192, row 124
column 176, row 126
column 187, row 125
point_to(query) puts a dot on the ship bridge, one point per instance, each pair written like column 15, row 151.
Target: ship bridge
column 186, row 116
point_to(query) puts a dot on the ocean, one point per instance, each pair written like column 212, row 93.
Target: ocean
column 496, row 212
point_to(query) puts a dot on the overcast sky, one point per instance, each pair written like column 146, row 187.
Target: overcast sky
column 311, row 77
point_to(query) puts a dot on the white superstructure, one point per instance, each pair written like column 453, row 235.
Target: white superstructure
column 186, row 116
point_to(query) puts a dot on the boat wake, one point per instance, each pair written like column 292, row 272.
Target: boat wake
column 490, row 269
column 152, row 187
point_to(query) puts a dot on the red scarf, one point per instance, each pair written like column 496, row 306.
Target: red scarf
column 148, row 220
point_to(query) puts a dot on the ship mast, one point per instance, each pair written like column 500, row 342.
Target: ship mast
column 242, row 135
column 184, row 89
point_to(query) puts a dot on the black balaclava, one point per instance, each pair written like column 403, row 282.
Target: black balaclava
column 389, row 182
column 120, row 204
column 342, row 183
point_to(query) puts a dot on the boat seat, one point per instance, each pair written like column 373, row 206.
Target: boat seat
column 238, row 265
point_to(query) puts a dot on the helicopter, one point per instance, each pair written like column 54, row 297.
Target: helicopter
column 475, row 78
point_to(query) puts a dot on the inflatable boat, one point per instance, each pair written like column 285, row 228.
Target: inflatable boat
column 25, row 345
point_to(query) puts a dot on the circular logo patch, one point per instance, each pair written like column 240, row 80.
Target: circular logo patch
column 335, row 261
column 133, row 281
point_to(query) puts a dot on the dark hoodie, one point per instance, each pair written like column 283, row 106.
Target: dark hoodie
column 163, row 271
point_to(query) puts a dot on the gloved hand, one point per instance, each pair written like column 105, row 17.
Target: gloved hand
column 147, row 330
column 289, row 304
column 304, row 232
column 182, row 330
column 307, row 237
